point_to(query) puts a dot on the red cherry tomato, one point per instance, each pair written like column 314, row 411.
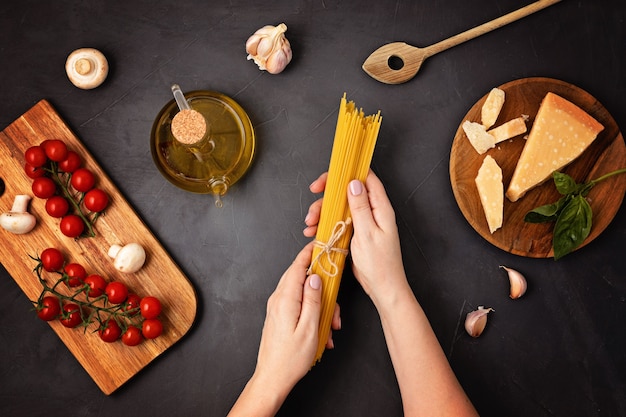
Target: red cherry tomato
column 57, row 206
column 132, row 336
column 49, row 308
column 33, row 172
column 75, row 274
column 52, row 259
column 110, row 331
column 150, row 307
column 44, row 187
column 72, row 225
column 151, row 328
column 35, row 156
column 116, row 292
column 133, row 301
column 71, row 163
column 83, row 180
column 96, row 200
column 97, row 285
column 55, row 149
column 71, row 316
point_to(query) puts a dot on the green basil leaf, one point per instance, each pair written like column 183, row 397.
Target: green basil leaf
column 564, row 183
column 572, row 226
column 547, row 213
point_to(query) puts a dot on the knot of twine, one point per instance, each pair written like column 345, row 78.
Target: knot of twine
column 329, row 247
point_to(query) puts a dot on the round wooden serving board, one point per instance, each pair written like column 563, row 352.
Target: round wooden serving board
column 607, row 153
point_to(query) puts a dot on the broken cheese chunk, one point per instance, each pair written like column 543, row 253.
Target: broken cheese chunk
column 560, row 134
column 491, row 108
column 508, row 130
column 478, row 136
column 491, row 192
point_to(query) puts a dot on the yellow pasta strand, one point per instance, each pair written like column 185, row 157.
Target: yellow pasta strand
column 351, row 156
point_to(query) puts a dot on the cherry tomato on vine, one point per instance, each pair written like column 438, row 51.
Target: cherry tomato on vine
column 132, row 336
column 44, row 187
column 33, row 172
column 71, row 162
column 83, row 180
column 72, row 225
column 35, row 156
column 71, row 316
column 49, row 308
column 57, row 206
column 133, row 301
column 116, row 292
column 110, row 331
column 150, row 307
column 97, row 285
column 76, row 274
column 52, row 259
column 96, row 200
column 151, row 328
column 55, row 149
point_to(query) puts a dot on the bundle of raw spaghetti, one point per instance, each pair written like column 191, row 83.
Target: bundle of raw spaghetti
column 353, row 147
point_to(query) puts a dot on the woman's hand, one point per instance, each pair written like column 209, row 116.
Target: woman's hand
column 290, row 334
column 375, row 246
column 289, row 340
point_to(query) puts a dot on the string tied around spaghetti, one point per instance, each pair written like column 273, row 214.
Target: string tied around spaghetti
column 329, row 247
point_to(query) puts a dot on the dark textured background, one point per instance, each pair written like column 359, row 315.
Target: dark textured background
column 559, row 351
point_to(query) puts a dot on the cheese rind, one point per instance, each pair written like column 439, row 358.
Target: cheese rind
column 560, row 133
column 491, row 192
column 491, row 108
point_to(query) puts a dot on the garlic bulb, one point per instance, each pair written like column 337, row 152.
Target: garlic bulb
column 517, row 282
column 269, row 48
column 476, row 320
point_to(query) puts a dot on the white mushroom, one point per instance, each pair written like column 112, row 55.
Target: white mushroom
column 86, row 68
column 18, row 220
column 129, row 258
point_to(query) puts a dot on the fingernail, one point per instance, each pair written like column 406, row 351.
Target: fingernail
column 315, row 282
column 306, row 219
column 356, row 188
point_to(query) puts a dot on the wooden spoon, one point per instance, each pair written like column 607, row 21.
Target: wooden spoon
column 410, row 58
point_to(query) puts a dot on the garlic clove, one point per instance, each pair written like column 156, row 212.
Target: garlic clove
column 252, row 45
column 269, row 48
column 517, row 282
column 476, row 320
column 277, row 62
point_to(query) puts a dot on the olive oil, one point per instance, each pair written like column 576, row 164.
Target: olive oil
column 220, row 159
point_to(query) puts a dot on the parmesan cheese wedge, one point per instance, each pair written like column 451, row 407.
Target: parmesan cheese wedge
column 478, row 136
column 560, row 133
column 491, row 192
column 491, row 108
column 508, row 130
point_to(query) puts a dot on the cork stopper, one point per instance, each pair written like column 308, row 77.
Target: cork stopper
column 188, row 126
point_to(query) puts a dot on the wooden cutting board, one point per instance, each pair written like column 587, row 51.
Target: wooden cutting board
column 607, row 153
column 109, row 364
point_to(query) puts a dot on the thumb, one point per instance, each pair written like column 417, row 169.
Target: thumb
column 311, row 301
column 359, row 203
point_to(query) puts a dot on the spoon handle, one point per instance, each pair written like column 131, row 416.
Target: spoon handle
column 488, row 27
